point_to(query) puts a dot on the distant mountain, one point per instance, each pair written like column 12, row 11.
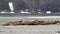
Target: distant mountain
column 4, row 5
column 32, row 5
column 44, row 5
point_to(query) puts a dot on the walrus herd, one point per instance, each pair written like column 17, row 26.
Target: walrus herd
column 35, row 22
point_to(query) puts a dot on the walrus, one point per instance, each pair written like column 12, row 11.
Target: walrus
column 35, row 22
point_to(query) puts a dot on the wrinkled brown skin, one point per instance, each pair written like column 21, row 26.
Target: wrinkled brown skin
column 48, row 23
column 26, row 23
column 12, row 23
column 35, row 22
